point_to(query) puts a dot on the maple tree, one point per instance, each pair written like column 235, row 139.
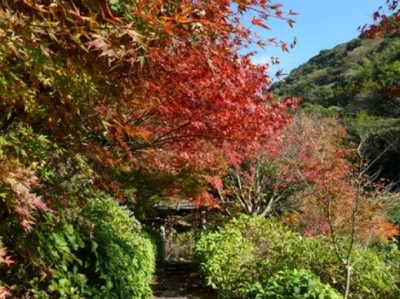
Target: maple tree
column 383, row 23
column 264, row 185
column 309, row 168
column 340, row 199
column 136, row 85
column 335, row 196
column 92, row 91
column 128, row 86
column 261, row 186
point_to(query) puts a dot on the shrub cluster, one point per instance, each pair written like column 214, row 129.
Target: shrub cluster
column 254, row 253
column 100, row 252
column 296, row 284
column 122, row 257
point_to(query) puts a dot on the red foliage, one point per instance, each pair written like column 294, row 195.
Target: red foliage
column 197, row 93
column 206, row 200
column 216, row 100
column 383, row 24
column 157, row 85
column 259, row 23
column 6, row 261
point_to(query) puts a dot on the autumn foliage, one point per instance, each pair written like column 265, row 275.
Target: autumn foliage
column 100, row 98
column 150, row 84
column 312, row 175
column 93, row 92
column 338, row 196
column 386, row 21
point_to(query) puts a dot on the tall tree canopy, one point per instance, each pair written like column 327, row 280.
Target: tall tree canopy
column 128, row 84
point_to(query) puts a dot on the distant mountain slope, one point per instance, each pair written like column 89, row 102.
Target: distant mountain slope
column 360, row 78
column 358, row 75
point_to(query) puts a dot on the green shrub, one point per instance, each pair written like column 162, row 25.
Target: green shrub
column 254, row 249
column 222, row 257
column 122, row 258
column 61, row 250
column 371, row 275
column 235, row 255
column 55, row 268
column 100, row 252
column 294, row 284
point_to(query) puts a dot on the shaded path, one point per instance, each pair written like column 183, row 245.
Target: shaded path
column 179, row 281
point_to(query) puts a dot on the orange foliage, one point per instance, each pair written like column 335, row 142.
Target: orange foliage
column 336, row 200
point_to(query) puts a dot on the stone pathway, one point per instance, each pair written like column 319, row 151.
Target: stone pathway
column 179, row 281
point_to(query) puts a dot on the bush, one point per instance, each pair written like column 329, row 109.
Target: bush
column 122, row 258
column 254, row 249
column 231, row 258
column 99, row 252
column 222, row 257
column 53, row 266
column 371, row 275
column 294, row 284
column 57, row 248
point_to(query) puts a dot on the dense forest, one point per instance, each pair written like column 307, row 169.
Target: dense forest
column 111, row 108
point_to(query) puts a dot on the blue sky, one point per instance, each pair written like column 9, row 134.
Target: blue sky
column 321, row 24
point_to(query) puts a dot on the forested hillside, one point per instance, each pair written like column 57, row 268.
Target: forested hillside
column 359, row 79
